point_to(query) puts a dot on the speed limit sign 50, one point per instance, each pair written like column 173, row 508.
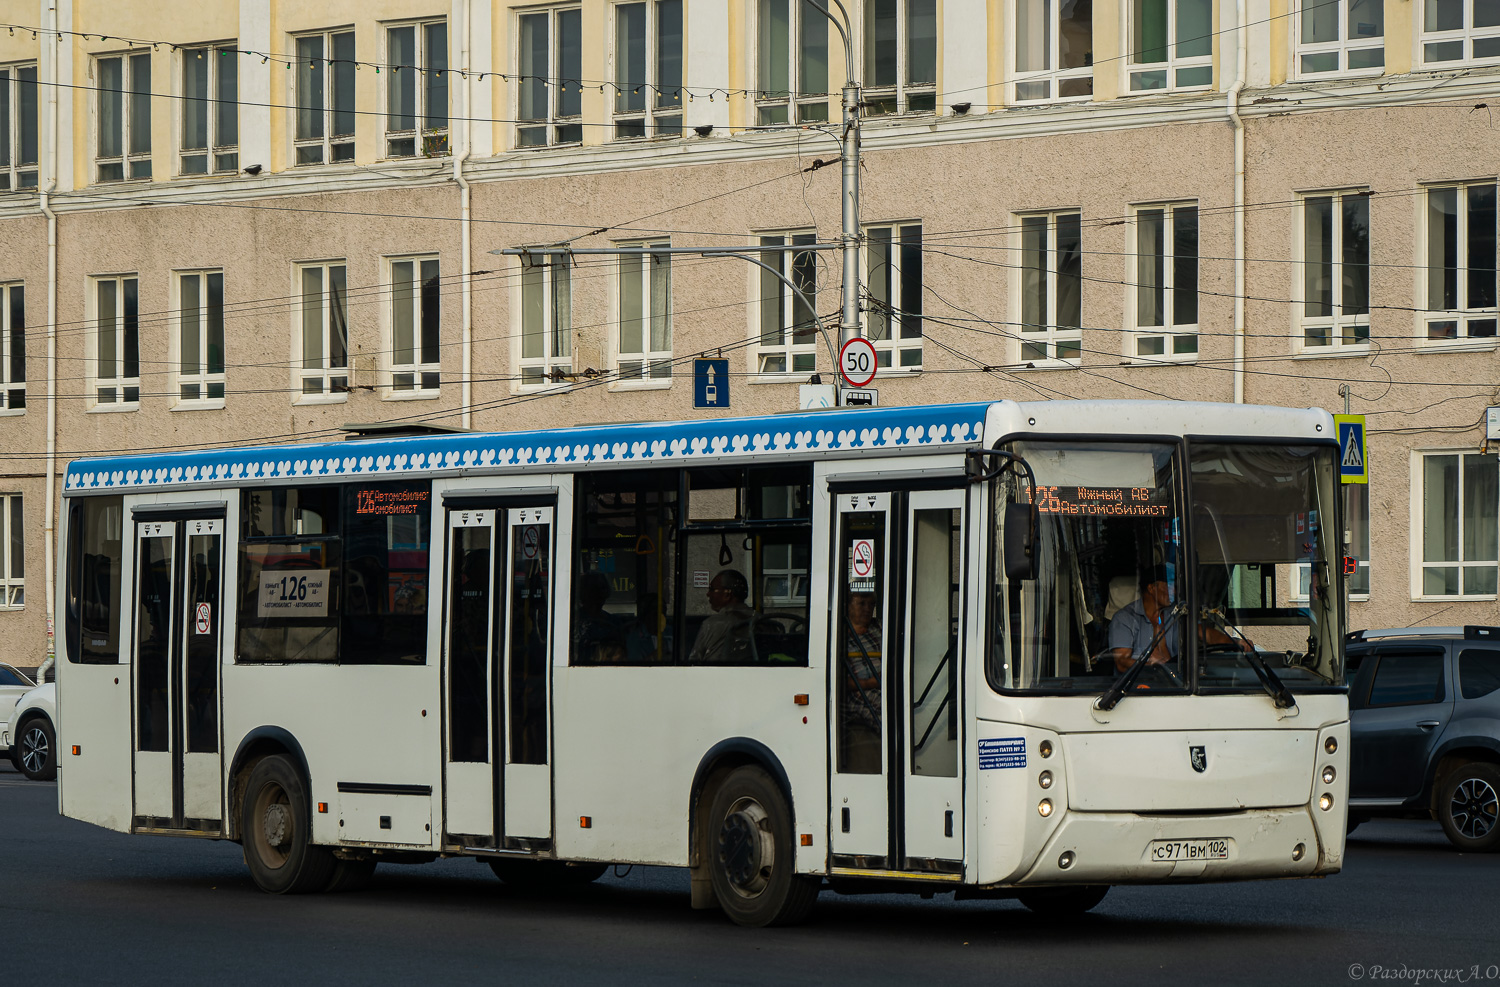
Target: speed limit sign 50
column 857, row 362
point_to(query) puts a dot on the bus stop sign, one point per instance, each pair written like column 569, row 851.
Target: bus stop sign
column 710, row 383
column 1354, row 463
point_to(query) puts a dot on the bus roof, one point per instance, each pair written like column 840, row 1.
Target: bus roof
column 830, row 433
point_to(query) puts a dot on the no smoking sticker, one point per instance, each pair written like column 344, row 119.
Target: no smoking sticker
column 531, row 540
column 862, row 565
column 203, row 621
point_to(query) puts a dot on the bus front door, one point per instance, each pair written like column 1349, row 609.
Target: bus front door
column 896, row 698
column 175, row 695
column 498, row 779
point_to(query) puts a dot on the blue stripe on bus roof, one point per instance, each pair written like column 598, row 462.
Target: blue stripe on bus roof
column 897, row 428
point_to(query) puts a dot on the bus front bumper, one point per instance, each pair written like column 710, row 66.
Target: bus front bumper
column 1131, row 848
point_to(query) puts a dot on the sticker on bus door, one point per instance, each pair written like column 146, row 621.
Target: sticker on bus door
column 293, row 593
column 862, row 565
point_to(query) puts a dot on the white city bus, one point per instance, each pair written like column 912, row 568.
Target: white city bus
column 872, row 649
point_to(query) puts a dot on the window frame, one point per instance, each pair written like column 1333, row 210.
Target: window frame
column 554, row 367
column 333, row 385
column 331, row 148
column 1052, row 77
column 426, row 375
column 895, row 349
column 134, row 163
column 203, row 377
column 1419, row 565
column 1172, row 64
column 649, row 359
column 17, row 175
column 883, row 99
column 1342, row 49
column 123, row 384
column 1049, row 334
column 12, row 586
column 1337, row 324
column 774, row 106
column 1467, row 37
column 12, row 389
column 1169, row 332
column 1462, row 316
column 427, row 140
column 561, row 129
column 798, row 359
column 220, row 158
column 659, row 120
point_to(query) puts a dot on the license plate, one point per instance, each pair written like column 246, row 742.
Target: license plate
column 1173, row 850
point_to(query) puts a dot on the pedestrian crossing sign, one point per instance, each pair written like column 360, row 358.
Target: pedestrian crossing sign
column 1354, row 462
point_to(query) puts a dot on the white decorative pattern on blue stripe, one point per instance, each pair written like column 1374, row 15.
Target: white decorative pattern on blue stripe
column 894, row 429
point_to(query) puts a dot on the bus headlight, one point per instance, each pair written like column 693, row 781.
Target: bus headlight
column 1045, row 807
column 1330, row 745
column 1045, row 748
column 1325, row 801
column 1045, row 779
column 1066, row 860
column 1329, row 774
column 1298, row 851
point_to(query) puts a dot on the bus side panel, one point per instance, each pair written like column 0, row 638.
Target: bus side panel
column 93, row 714
column 357, row 724
column 630, row 740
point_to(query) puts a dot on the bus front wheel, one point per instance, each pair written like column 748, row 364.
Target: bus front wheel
column 749, row 845
column 276, row 830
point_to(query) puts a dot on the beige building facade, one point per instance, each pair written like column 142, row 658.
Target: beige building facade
column 259, row 221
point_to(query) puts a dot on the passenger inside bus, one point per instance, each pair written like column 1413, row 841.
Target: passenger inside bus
column 726, row 636
column 859, row 699
column 597, row 637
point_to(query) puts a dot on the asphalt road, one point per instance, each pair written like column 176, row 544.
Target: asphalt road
column 82, row 905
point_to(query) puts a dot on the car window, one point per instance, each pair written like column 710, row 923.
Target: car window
column 11, row 677
column 1478, row 672
column 1402, row 679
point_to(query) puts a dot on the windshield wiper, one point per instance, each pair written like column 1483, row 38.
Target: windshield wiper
column 1112, row 698
column 1280, row 694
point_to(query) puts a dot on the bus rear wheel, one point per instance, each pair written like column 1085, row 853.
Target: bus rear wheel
column 751, row 859
column 276, row 830
column 1062, row 902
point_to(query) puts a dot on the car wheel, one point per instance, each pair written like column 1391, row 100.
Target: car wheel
column 751, row 857
column 1062, row 902
column 275, row 827
column 1468, row 806
column 37, row 745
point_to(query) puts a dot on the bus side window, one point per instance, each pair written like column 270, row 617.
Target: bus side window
column 386, row 564
column 94, row 557
column 624, row 571
column 291, row 559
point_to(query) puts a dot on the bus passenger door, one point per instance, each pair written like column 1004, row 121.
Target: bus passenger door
column 470, row 772
column 932, row 788
column 526, row 644
column 862, row 635
column 176, row 655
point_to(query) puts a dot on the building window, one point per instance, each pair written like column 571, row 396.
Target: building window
column 12, row 347
column 792, row 45
column 1054, row 50
column 900, row 56
column 1171, row 44
column 1335, row 312
column 648, row 69
column 788, row 325
column 416, row 90
column 1459, row 31
column 18, row 127
column 1340, row 36
column 416, row 361
column 124, row 116
column 324, row 329
column 1460, row 500
column 117, row 341
column 549, row 95
column 12, row 553
column 1461, row 296
column 646, row 316
column 210, row 110
column 893, row 278
column 1166, row 281
column 325, row 97
column 200, row 336
column 1051, row 287
column 546, row 318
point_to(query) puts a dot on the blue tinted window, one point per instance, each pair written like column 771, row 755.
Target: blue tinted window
column 1402, row 679
column 1478, row 672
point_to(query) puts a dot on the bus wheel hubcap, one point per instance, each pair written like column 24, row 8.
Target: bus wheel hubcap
column 746, row 850
column 276, row 825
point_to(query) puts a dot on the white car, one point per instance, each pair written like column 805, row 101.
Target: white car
column 32, row 733
column 13, row 685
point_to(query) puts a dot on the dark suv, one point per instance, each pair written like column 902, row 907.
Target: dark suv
column 1424, row 712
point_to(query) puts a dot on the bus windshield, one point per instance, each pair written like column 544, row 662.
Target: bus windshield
column 1207, row 580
